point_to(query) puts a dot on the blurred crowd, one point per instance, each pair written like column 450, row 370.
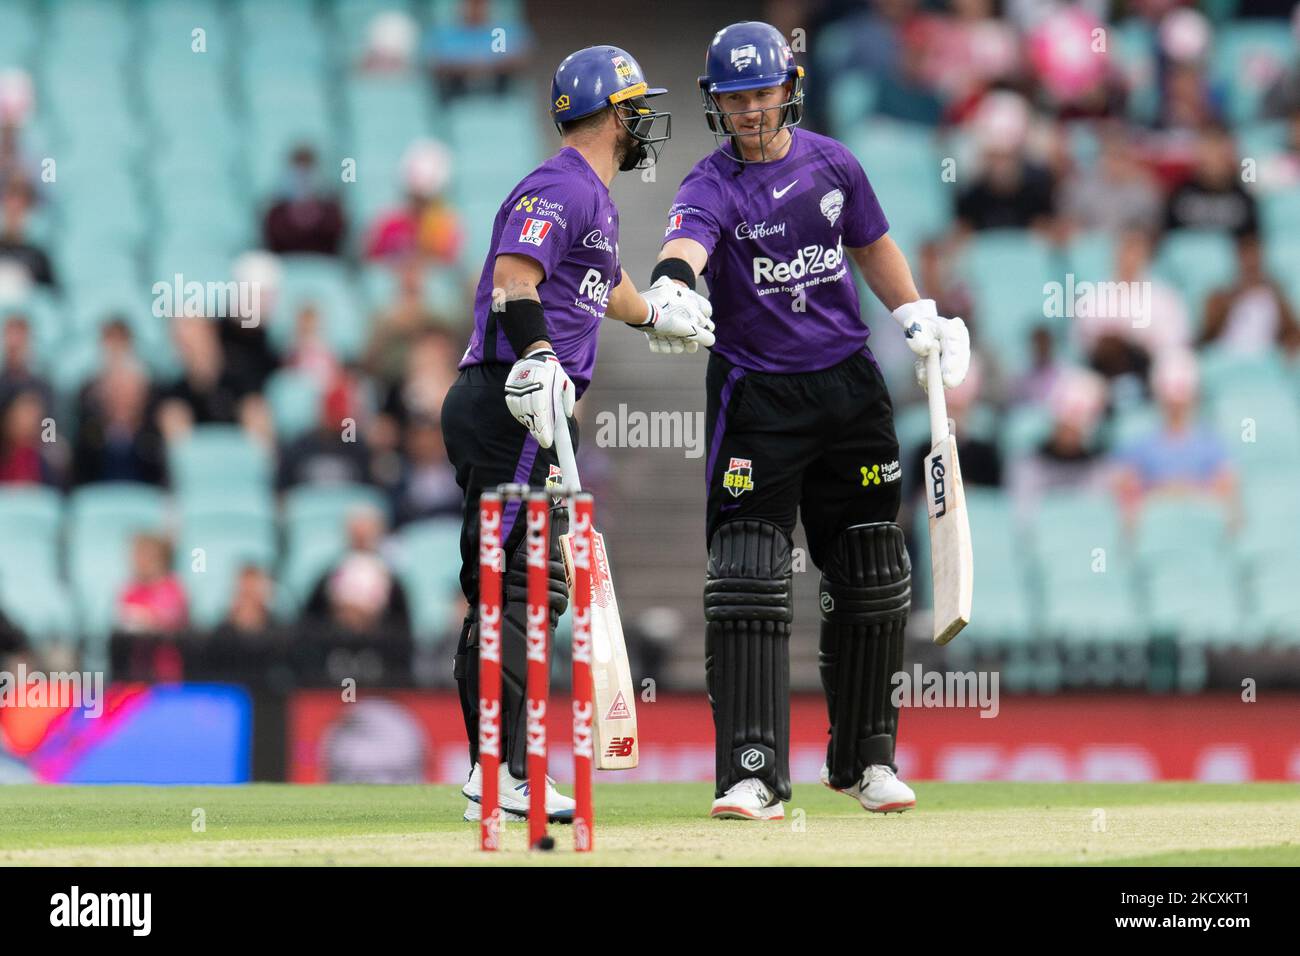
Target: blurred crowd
column 372, row 418
column 1141, row 130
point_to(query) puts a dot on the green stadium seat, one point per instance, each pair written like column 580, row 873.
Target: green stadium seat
column 116, row 504
column 1091, row 257
column 1131, row 425
column 31, row 518
column 325, row 283
column 39, row 603
column 29, row 512
column 1198, row 602
column 1261, row 139
column 312, row 504
column 475, row 120
column 311, row 551
column 1196, row 262
column 219, row 457
column 1247, row 56
column 1132, row 47
column 1260, row 425
column 430, row 572
column 295, row 399
column 1273, row 607
column 1091, row 608
column 1270, row 530
column 209, row 508
column 1278, row 212
column 394, row 108
column 445, row 291
column 444, row 12
column 208, row 562
column 1069, row 527
column 852, row 99
column 1225, row 372
column 1007, row 270
column 44, row 313
column 315, row 526
column 1181, row 530
column 102, row 521
column 1024, row 429
column 18, row 34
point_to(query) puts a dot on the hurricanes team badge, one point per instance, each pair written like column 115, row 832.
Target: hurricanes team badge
column 832, row 204
column 739, row 477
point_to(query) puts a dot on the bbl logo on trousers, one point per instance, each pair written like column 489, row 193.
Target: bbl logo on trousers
column 739, row 477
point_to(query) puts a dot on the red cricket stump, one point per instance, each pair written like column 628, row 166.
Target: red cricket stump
column 537, row 641
column 490, row 562
column 583, row 687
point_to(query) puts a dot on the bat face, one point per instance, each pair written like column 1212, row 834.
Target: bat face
column 615, row 718
column 952, row 565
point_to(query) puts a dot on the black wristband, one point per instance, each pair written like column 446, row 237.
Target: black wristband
column 678, row 269
column 524, row 323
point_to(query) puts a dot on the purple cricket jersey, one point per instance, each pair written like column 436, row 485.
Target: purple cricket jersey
column 560, row 215
column 783, row 296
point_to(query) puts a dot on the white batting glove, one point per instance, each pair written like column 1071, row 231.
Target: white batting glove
column 926, row 331
column 530, row 391
column 678, row 319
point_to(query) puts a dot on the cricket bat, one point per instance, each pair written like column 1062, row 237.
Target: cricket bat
column 616, row 743
column 952, row 565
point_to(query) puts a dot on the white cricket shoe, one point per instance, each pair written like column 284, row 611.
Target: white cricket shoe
column 751, row 799
column 512, row 796
column 879, row 790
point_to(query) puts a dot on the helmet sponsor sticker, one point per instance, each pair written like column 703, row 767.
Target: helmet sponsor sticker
column 743, row 56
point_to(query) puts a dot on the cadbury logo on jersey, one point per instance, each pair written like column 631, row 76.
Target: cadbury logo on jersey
column 596, row 240
column 809, row 260
column 759, row 230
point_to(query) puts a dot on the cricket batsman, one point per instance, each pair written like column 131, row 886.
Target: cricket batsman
column 552, row 273
column 799, row 419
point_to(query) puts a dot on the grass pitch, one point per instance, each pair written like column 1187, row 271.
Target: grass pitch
column 655, row 824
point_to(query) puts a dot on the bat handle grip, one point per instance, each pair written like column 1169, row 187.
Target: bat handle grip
column 938, row 403
column 564, row 449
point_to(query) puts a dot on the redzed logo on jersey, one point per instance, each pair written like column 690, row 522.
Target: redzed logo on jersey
column 620, row 747
column 534, row 231
column 674, row 223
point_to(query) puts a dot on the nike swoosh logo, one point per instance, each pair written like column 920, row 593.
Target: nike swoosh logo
column 778, row 193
